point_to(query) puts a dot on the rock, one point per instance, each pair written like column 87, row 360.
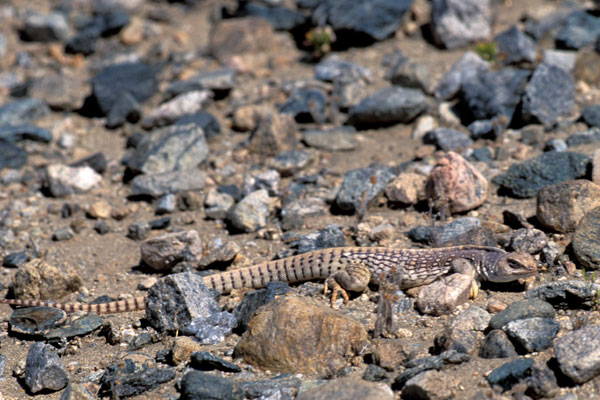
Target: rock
column 206, row 361
column 217, row 205
column 566, row 294
column 40, row 280
column 63, row 234
column 515, row 47
column 160, row 223
column 406, row 188
column 296, row 213
column 45, row 28
column 560, row 58
column 290, row 162
column 578, row 354
column 526, row 240
column 170, row 111
column 102, row 227
column 333, row 69
column 454, row 183
column 473, row 318
column 584, row 67
column 555, row 145
column 299, row 335
column 591, row 115
column 336, row 139
column 126, row 378
column 410, row 74
column 560, row 207
column 199, row 385
column 137, row 79
column 204, row 120
column 258, row 298
column 391, row 353
column 490, row 94
column 361, row 187
column 219, row 81
column 19, row 112
column 579, row 30
column 60, row 91
column 84, row 42
column 182, row 349
column 422, row 125
column 448, row 139
column 96, row 161
column 267, row 179
column 63, row 180
column 222, row 255
column 529, row 177
column 585, row 240
column 444, row 295
column 125, row 108
column 44, row 369
column 330, row 236
column 79, row 327
column 159, row 184
column 99, row 209
column 511, row 373
column 181, row 302
column 588, row 136
column 431, row 385
column 252, row 212
column 542, row 382
column 166, row 204
column 274, row 133
column 15, row 260
column 469, row 66
column 306, row 105
column 373, row 373
column 458, row 23
column 487, row 128
column 525, row 309
column 456, row 339
column 164, row 252
column 497, row 345
column 360, row 19
column 390, row 105
column 138, row 230
column 596, row 167
column 173, row 148
column 549, row 95
column 532, row 334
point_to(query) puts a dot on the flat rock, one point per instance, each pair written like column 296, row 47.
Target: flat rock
column 456, row 184
column 431, row 385
column 526, row 179
column 361, row 187
column 390, row 105
column 170, row 111
column 560, row 207
column 530, row 308
column 201, row 385
column 347, row 388
column 586, row 240
column 59, row 91
column 22, row 111
column 533, row 334
column 578, row 353
column 172, row 148
column 448, row 139
column 456, row 23
column 165, row 251
column 509, row 374
column 570, row 294
column 159, row 184
column 299, row 335
column 63, row 180
column 340, row 139
column 11, row 156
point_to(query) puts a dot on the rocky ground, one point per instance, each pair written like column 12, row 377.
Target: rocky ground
column 144, row 143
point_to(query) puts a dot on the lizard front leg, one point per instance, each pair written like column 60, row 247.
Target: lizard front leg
column 355, row 277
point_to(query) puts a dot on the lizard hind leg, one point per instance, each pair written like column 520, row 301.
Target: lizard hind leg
column 355, row 277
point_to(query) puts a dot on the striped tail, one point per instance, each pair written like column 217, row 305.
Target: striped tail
column 133, row 304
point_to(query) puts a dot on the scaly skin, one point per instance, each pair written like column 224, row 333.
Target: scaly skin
column 344, row 268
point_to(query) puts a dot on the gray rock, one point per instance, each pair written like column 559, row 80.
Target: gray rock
column 336, row 139
column 460, row 340
column 374, row 373
column 532, row 334
column 35, row 321
column 410, row 74
column 542, row 383
column 306, row 105
column 588, row 136
column 530, row 308
column 113, row 81
column 63, row 180
column 497, row 345
column 456, row 23
column 217, row 204
column 387, row 106
column 464, row 70
column 527, row 178
column 61, row 92
column 361, row 187
column 219, row 81
column 44, row 369
column 206, row 361
column 509, row 374
column 125, row 108
column 586, row 243
column 252, row 301
column 199, row 385
column 566, row 294
column 549, row 95
column 578, row 354
column 166, row 204
column 172, row 110
column 450, row 232
column 473, row 318
column 444, row 295
column 159, row 184
column 17, row 133
column 11, row 156
column 15, row 259
column 515, row 47
column 61, row 234
column 78, row 327
column 138, row 230
column 290, row 162
column 492, row 94
column 591, row 115
column 222, row 255
column 448, row 139
column 377, row 19
column 126, row 378
column 336, row 70
column 431, row 385
column 252, row 212
column 526, row 240
column 274, row 133
column 557, row 144
column 579, row 30
column 45, row 28
column 268, row 180
column 487, row 128
column 205, row 120
column 173, row 148
column 330, row 236
column 295, row 213
column 164, row 252
column 560, row 58
column 22, row 111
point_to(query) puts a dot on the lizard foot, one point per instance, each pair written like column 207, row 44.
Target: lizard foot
column 474, row 290
column 335, row 290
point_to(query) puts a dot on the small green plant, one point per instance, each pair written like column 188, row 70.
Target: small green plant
column 320, row 39
column 590, row 278
column 487, row 51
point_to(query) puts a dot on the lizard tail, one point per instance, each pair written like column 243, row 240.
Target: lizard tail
column 133, row 304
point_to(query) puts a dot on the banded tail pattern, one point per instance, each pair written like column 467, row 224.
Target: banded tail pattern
column 133, row 304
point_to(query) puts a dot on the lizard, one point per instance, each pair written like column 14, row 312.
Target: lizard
column 344, row 268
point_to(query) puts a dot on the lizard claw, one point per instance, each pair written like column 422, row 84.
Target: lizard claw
column 335, row 290
column 474, row 290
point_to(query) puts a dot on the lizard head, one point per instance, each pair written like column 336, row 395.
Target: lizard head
column 510, row 267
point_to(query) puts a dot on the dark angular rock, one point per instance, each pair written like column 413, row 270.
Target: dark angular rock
column 375, row 19
column 35, row 320
column 160, row 223
column 492, row 94
column 515, row 47
column 549, row 95
column 464, row 70
column 542, row 383
column 199, row 385
column 128, row 379
column 306, row 105
column 330, row 236
column 410, row 74
column 591, row 115
column 252, row 301
column 111, row 82
column 579, row 30
column 518, row 310
column 281, row 18
column 20, row 112
column 511, row 373
column 44, row 369
column 586, row 243
column 96, row 161
column 532, row 334
column 84, row 42
column 578, row 354
column 588, row 136
column 102, row 227
column 203, row 119
column 448, row 139
column 387, row 106
column 16, row 133
column 11, row 156
column 566, row 294
column 281, row 387
column 375, row 373
column 220, row 81
column 527, row 178
column 45, row 28
column 335, row 70
column 79, row 327
column 361, row 186
column 497, row 345
column 487, row 128
column 138, row 230
column 526, row 240
column 205, row 361
column 125, row 108
column 15, row 260
column 456, row 23
column 456, row 339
